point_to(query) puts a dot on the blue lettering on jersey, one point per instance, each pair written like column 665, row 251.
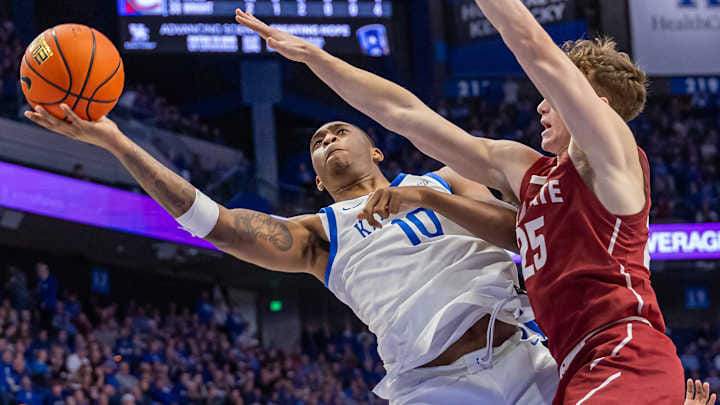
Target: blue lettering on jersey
column 360, row 226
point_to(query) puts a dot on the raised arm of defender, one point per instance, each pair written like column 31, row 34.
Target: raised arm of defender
column 595, row 127
column 294, row 245
column 498, row 164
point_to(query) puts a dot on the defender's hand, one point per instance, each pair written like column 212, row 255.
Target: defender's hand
column 286, row 44
column 698, row 393
column 391, row 200
column 101, row 132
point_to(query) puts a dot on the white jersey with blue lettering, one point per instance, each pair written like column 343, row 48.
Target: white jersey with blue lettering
column 419, row 282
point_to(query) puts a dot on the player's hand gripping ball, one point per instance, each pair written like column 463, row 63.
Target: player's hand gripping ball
column 75, row 65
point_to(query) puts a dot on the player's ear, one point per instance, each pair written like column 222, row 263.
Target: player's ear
column 377, row 155
column 605, row 100
column 318, row 183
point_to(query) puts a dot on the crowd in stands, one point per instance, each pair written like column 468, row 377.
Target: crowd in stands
column 55, row 350
column 11, row 51
column 699, row 350
column 143, row 102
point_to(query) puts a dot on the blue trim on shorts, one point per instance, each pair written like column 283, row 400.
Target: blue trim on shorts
column 332, row 226
column 400, row 177
column 535, row 328
column 440, row 180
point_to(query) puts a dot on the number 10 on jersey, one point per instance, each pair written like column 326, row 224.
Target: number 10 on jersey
column 413, row 219
column 534, row 240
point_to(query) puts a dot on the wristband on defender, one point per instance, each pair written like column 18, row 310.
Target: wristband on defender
column 202, row 217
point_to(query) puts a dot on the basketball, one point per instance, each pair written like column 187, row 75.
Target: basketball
column 72, row 64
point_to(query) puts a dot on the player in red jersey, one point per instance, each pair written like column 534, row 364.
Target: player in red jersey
column 582, row 223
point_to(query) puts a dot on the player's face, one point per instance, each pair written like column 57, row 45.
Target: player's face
column 339, row 149
column 556, row 136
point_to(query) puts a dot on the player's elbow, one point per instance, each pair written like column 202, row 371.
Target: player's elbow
column 531, row 44
column 402, row 119
column 223, row 235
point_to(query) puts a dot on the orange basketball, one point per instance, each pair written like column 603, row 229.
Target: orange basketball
column 75, row 65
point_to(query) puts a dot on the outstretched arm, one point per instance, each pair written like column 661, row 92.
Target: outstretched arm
column 499, row 164
column 471, row 206
column 294, row 245
column 595, row 127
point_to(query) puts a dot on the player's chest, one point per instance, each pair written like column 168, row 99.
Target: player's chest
column 409, row 228
column 547, row 194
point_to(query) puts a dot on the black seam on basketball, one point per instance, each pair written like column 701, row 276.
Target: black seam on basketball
column 90, row 101
column 60, row 88
column 67, row 67
column 104, row 82
column 46, row 80
column 87, row 75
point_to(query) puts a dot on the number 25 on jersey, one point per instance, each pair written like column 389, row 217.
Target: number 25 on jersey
column 531, row 238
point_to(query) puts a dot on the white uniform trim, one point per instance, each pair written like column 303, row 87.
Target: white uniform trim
column 539, row 180
column 598, row 388
column 614, row 236
column 575, row 350
column 617, row 348
column 628, row 281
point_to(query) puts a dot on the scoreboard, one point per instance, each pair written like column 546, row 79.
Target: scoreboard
column 197, row 26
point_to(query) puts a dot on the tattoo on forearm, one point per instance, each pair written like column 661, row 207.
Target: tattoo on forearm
column 176, row 198
column 257, row 226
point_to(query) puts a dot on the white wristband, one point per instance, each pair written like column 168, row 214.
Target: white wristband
column 202, row 217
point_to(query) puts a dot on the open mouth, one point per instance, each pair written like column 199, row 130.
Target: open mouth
column 546, row 125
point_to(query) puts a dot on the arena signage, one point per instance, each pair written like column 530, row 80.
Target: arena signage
column 470, row 24
column 684, row 241
column 676, row 37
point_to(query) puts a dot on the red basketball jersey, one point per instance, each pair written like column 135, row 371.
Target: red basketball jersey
column 584, row 267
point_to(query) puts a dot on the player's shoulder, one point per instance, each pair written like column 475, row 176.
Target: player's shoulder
column 435, row 179
column 312, row 222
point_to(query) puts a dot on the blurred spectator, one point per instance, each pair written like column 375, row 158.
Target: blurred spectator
column 47, row 288
column 17, row 289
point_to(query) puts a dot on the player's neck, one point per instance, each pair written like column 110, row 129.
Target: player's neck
column 360, row 187
column 562, row 153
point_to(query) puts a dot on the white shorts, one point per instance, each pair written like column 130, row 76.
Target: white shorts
column 521, row 373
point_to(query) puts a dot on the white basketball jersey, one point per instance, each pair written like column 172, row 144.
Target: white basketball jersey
column 419, row 282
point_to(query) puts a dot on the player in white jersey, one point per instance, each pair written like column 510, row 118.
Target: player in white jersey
column 432, row 292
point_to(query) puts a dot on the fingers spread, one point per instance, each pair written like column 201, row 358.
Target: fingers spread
column 705, row 395
column 689, row 389
column 698, row 389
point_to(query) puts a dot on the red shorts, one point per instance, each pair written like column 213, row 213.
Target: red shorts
column 628, row 363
